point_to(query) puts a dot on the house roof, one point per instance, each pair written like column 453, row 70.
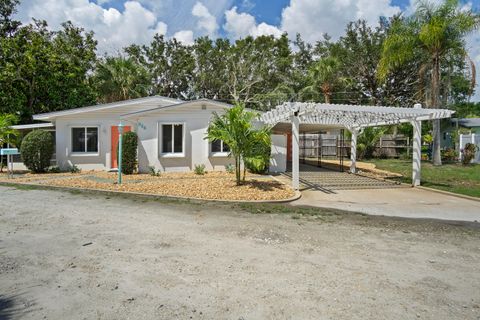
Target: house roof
column 181, row 104
column 350, row 116
column 468, row 122
column 153, row 99
column 33, row 126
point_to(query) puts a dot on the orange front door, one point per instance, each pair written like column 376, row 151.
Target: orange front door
column 115, row 143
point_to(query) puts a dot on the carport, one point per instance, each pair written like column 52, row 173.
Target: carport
column 309, row 117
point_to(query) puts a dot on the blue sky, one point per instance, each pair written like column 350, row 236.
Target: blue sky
column 118, row 23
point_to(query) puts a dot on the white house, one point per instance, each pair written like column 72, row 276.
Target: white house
column 171, row 134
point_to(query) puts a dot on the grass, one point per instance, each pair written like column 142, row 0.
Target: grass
column 453, row 177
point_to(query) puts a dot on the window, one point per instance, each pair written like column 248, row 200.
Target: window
column 85, row 139
column 219, row 146
column 172, row 138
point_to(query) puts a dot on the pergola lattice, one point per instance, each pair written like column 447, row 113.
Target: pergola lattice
column 354, row 118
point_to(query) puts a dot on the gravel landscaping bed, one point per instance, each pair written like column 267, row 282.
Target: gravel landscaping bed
column 212, row 185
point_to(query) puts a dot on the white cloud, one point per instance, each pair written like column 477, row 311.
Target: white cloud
column 113, row 29
column 184, row 36
column 313, row 18
column 206, row 21
column 239, row 25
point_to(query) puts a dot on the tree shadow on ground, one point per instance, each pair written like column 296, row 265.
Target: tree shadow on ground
column 14, row 306
column 264, row 185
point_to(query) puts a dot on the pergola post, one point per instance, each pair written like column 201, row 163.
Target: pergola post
column 295, row 151
column 416, row 152
column 353, row 151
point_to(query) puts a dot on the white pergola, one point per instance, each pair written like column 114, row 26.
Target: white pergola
column 353, row 118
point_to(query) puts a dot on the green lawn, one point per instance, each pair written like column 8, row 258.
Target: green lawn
column 450, row 177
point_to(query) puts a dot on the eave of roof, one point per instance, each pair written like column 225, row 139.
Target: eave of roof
column 51, row 115
column 468, row 122
column 33, row 126
column 185, row 103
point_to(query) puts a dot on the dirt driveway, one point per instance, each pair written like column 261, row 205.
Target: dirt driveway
column 74, row 256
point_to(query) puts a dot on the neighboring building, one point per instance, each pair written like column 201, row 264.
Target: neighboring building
column 451, row 126
column 171, row 134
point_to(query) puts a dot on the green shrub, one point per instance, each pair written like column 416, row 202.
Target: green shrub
column 258, row 159
column 469, row 153
column 129, row 152
column 74, row 169
column 153, row 172
column 230, row 168
column 199, row 169
column 449, row 154
column 54, row 169
column 37, row 150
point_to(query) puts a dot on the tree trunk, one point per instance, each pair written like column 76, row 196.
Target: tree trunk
column 435, row 98
column 237, row 169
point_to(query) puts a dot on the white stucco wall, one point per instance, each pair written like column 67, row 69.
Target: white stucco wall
column 196, row 148
column 98, row 161
column 278, row 160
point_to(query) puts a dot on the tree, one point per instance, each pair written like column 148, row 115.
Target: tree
column 325, row 77
column 367, row 141
column 7, row 134
column 235, row 128
column 7, row 25
column 120, row 78
column 43, row 71
column 431, row 35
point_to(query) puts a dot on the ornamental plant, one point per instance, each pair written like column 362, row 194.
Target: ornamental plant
column 129, row 152
column 37, row 150
column 235, row 128
column 469, row 153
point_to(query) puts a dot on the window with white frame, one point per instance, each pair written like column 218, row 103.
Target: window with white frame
column 172, row 138
column 85, row 139
column 218, row 146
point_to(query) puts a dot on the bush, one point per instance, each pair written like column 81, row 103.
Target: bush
column 153, row 172
column 129, row 152
column 54, row 169
column 74, row 169
column 449, row 154
column 37, row 150
column 230, row 168
column 259, row 158
column 469, row 153
column 199, row 169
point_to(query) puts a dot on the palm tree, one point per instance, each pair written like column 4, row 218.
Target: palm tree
column 119, row 78
column 235, row 128
column 433, row 33
column 7, row 134
column 324, row 76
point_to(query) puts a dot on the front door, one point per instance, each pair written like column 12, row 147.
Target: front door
column 115, row 144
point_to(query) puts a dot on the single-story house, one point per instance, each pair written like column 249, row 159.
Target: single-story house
column 171, row 134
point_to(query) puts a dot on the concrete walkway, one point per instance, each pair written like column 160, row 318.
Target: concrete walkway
column 398, row 202
column 332, row 189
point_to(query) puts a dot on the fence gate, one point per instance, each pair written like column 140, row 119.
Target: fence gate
column 317, row 147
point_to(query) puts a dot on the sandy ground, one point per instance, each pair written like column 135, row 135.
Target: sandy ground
column 77, row 256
